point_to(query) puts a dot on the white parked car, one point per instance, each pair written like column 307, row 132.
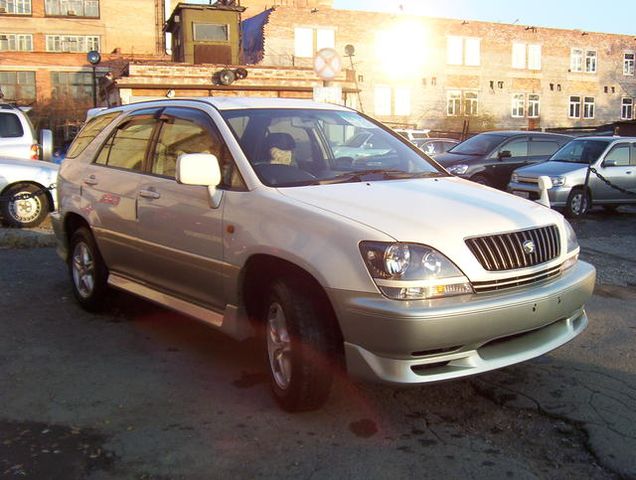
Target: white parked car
column 237, row 212
column 18, row 138
column 25, row 195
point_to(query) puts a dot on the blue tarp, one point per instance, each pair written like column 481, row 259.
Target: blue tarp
column 253, row 37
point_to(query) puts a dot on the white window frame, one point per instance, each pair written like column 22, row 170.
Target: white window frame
column 577, row 59
column 472, row 51
column 382, row 100
column 60, row 43
column 518, row 105
column 574, row 110
column 534, row 56
column 455, row 50
column 629, row 63
column 402, row 96
column 16, row 7
column 534, row 105
column 627, row 108
column 303, row 42
column 519, row 55
column 325, row 38
column 589, row 108
column 17, row 40
column 453, row 103
column 79, row 8
column 591, row 61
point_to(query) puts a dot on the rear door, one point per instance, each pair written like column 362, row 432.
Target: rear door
column 541, row 148
column 16, row 136
column 109, row 190
column 181, row 226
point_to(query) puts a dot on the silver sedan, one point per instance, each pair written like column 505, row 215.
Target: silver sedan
column 26, row 191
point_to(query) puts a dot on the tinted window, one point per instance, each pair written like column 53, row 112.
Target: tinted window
column 185, row 130
column 10, row 126
column 517, row 148
column 88, row 133
column 542, row 147
column 619, row 154
column 481, row 144
column 580, row 151
column 127, row 147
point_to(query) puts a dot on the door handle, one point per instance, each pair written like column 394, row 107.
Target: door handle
column 90, row 180
column 152, row 194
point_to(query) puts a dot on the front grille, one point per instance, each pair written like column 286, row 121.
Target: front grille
column 505, row 251
column 519, row 281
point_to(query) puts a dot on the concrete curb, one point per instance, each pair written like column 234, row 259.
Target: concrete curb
column 26, row 238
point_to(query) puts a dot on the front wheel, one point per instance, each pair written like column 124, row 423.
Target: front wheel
column 299, row 349
column 24, row 206
column 87, row 270
column 578, row 203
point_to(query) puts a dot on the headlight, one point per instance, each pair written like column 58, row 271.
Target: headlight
column 572, row 246
column 557, row 181
column 514, row 177
column 406, row 271
column 458, row 169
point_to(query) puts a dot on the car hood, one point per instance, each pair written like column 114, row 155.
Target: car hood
column 26, row 164
column 438, row 212
column 450, row 158
column 550, row 169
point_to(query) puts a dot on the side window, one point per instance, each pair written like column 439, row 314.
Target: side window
column 10, row 126
column 184, row 131
column 619, row 154
column 127, row 147
column 517, row 148
column 542, row 147
column 86, row 135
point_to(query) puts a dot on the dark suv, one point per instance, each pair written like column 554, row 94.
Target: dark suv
column 490, row 158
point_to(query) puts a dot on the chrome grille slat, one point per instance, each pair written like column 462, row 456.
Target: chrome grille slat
column 518, row 281
column 505, row 251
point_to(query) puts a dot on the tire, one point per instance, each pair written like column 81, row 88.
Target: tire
column 481, row 180
column 578, row 203
column 88, row 271
column 299, row 348
column 27, row 212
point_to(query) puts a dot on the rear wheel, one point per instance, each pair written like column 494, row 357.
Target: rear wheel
column 299, row 349
column 87, row 270
column 578, row 203
column 25, row 206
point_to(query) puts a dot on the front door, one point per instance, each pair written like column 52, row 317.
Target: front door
column 622, row 173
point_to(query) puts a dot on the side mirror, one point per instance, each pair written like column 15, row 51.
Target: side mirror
column 610, row 163
column 198, row 169
column 46, row 145
column 504, row 154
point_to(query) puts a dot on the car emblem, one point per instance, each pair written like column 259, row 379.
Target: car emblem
column 528, row 247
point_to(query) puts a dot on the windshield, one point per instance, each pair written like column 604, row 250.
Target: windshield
column 481, row 144
column 291, row 147
column 580, row 151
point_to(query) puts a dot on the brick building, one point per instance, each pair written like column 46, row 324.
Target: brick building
column 435, row 73
column 43, row 43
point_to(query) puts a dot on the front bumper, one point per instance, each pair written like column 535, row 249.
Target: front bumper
column 60, row 236
column 558, row 195
column 427, row 341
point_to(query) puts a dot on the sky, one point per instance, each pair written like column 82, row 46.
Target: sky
column 615, row 16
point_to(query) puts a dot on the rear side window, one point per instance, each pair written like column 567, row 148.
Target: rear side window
column 89, row 132
column 10, row 126
column 542, row 147
column 127, row 148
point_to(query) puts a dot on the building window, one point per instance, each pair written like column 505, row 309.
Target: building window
column 18, row 86
column 588, row 107
column 533, row 106
column 627, row 109
column 590, row 61
column 10, row 42
column 71, row 43
column 72, row 8
column 575, row 107
column 77, row 85
column 526, row 55
column 583, row 60
column 20, row 7
column 403, row 101
column 382, row 100
column 576, row 60
column 518, row 105
column 471, row 104
column 454, row 102
column 464, row 51
column 210, row 32
column 628, row 63
column 307, row 41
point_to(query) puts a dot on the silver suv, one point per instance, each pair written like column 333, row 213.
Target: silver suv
column 238, row 213
column 613, row 159
column 18, row 138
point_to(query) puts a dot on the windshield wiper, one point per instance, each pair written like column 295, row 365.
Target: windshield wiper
column 360, row 176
